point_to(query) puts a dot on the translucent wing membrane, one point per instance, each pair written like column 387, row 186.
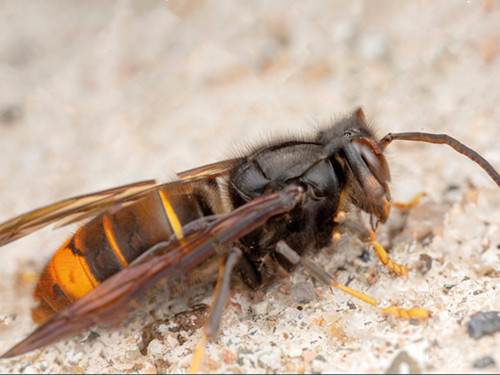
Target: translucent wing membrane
column 208, row 171
column 74, row 209
column 82, row 206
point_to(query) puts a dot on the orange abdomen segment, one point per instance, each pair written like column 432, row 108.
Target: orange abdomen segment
column 65, row 279
column 107, row 244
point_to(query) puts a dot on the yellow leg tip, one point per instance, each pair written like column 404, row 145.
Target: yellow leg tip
column 422, row 314
column 415, row 201
column 387, row 261
column 198, row 356
column 400, row 269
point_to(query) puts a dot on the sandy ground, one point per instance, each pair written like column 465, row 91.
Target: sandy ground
column 99, row 94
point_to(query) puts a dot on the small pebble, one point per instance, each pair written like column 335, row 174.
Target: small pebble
column 365, row 256
column 424, row 264
column 482, row 324
column 484, row 362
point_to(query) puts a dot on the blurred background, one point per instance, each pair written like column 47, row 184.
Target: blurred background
column 99, row 94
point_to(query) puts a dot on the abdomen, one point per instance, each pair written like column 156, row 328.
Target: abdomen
column 110, row 242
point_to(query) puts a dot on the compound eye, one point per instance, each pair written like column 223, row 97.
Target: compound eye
column 373, row 158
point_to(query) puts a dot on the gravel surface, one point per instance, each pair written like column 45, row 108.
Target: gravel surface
column 99, row 94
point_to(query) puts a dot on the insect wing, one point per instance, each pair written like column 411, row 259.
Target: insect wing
column 83, row 205
column 208, row 171
column 74, row 209
column 110, row 301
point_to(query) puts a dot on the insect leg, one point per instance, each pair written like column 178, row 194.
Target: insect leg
column 412, row 203
column 369, row 237
column 318, row 273
column 221, row 294
column 327, row 279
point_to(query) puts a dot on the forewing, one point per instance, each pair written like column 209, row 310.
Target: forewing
column 111, row 300
column 209, row 171
column 75, row 209
column 83, row 206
